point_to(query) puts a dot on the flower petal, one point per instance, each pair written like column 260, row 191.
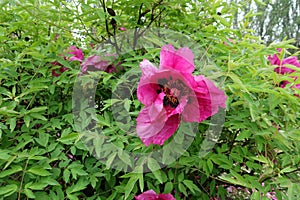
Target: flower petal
column 205, row 102
column 148, row 195
column 150, row 121
column 166, row 197
column 94, row 63
column 165, row 133
column 146, row 90
column 181, row 60
column 78, row 54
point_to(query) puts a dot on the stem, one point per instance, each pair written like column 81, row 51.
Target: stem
column 136, row 33
column 22, row 180
column 106, row 22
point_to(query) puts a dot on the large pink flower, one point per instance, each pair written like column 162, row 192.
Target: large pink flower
column 171, row 93
column 151, row 195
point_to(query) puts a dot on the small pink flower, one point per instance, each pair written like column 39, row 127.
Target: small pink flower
column 172, row 92
column 151, row 195
column 122, row 29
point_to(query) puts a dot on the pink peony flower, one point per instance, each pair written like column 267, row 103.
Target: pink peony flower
column 281, row 69
column 94, row 63
column 78, row 54
column 172, row 92
column 151, row 195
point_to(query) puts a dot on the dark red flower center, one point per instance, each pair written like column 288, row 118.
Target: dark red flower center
column 173, row 90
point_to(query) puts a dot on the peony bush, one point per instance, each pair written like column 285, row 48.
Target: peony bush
column 145, row 100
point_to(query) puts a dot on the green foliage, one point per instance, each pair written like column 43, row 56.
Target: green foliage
column 42, row 154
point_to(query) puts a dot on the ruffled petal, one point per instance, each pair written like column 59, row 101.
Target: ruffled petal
column 207, row 102
column 150, row 122
column 148, row 195
column 166, row 197
column 165, row 133
column 292, row 61
column 78, row 54
column 217, row 96
column 274, row 60
column 181, row 60
column 146, row 90
column 94, row 63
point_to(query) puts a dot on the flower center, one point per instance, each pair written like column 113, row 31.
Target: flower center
column 172, row 89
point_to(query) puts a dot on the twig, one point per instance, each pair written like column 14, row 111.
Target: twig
column 22, row 180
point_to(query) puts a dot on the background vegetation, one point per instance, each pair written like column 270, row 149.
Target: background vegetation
column 41, row 155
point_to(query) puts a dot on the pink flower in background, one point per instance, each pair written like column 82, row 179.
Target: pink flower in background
column 171, row 93
column 151, row 195
column 95, row 63
column 283, row 69
column 122, row 29
column 78, row 56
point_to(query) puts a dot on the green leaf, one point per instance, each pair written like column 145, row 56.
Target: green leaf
column 222, row 20
column 12, row 123
column 29, row 193
column 13, row 170
column 38, row 116
column 69, row 138
column 8, row 190
column 37, row 170
column 37, row 109
column 127, row 103
column 191, row 186
column 168, row 187
column 66, row 175
column 125, row 157
column 182, row 189
column 43, row 139
column 27, row 120
column 288, row 169
column 80, row 185
column 36, row 186
column 130, row 184
column 154, row 167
